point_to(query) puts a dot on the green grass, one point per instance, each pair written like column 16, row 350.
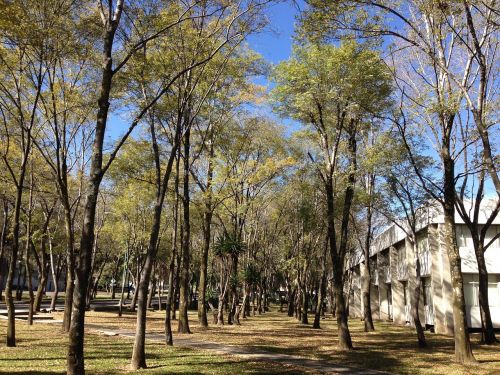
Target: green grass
column 41, row 350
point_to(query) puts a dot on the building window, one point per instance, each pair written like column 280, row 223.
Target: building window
column 490, row 233
column 464, row 238
column 493, row 291
column 427, row 292
column 471, row 290
column 406, row 293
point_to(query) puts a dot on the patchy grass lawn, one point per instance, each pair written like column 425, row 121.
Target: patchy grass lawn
column 390, row 348
column 41, row 350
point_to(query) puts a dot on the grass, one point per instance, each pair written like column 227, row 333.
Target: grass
column 41, row 350
column 390, row 348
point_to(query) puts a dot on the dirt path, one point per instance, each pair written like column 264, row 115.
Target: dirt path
column 253, row 354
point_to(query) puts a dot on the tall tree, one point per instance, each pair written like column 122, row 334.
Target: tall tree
column 333, row 90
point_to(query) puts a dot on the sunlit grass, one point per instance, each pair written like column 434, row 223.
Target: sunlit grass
column 390, row 348
column 41, row 349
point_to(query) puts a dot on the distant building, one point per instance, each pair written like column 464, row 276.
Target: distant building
column 392, row 274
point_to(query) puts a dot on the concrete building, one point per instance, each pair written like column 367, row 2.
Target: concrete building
column 393, row 274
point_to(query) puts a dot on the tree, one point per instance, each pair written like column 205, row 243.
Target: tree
column 333, row 90
column 22, row 75
column 442, row 48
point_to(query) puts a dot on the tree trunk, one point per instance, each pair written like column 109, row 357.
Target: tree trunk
column 172, row 269
column 139, row 354
column 138, row 278
column 319, row 302
column 3, row 240
column 488, row 332
column 415, row 298
column 463, row 350
column 31, row 295
column 305, row 305
column 337, row 253
column 234, row 289
column 291, row 299
column 365, row 287
column 43, row 267
column 124, row 278
column 202, row 290
column 55, row 280
column 70, row 265
column 220, row 312
column 9, row 300
column 75, row 356
column 21, row 279
column 183, row 326
column 152, row 291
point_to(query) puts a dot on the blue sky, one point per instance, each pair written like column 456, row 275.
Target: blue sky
column 274, row 44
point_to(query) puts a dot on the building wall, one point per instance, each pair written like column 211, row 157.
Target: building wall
column 436, row 306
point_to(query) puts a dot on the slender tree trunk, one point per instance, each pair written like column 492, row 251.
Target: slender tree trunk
column 305, row 305
column 43, row 268
column 75, row 356
column 234, row 290
column 202, row 290
column 220, row 312
column 152, row 290
column 172, row 271
column 138, row 278
column 28, row 250
column 9, row 300
column 124, row 278
column 463, row 350
column 139, row 354
column 183, row 326
column 319, row 302
column 55, row 292
column 291, row 299
column 488, row 332
column 415, row 298
column 365, row 287
column 114, row 276
column 21, row 279
column 337, row 253
column 70, row 265
column 3, row 240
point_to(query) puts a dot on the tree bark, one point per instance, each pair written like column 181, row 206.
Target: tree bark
column 463, row 350
column 365, row 286
column 172, row 269
column 3, row 240
column 488, row 332
column 9, row 300
column 183, row 326
column 139, row 354
column 207, row 236
column 75, row 356
column 415, row 298
column 291, row 299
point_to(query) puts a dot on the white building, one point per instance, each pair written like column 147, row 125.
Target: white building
column 393, row 274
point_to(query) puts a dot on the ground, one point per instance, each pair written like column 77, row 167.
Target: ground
column 41, row 348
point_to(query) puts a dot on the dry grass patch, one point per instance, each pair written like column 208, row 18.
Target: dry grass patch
column 391, row 348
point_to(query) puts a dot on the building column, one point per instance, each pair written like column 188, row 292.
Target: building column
column 398, row 304
column 441, row 283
